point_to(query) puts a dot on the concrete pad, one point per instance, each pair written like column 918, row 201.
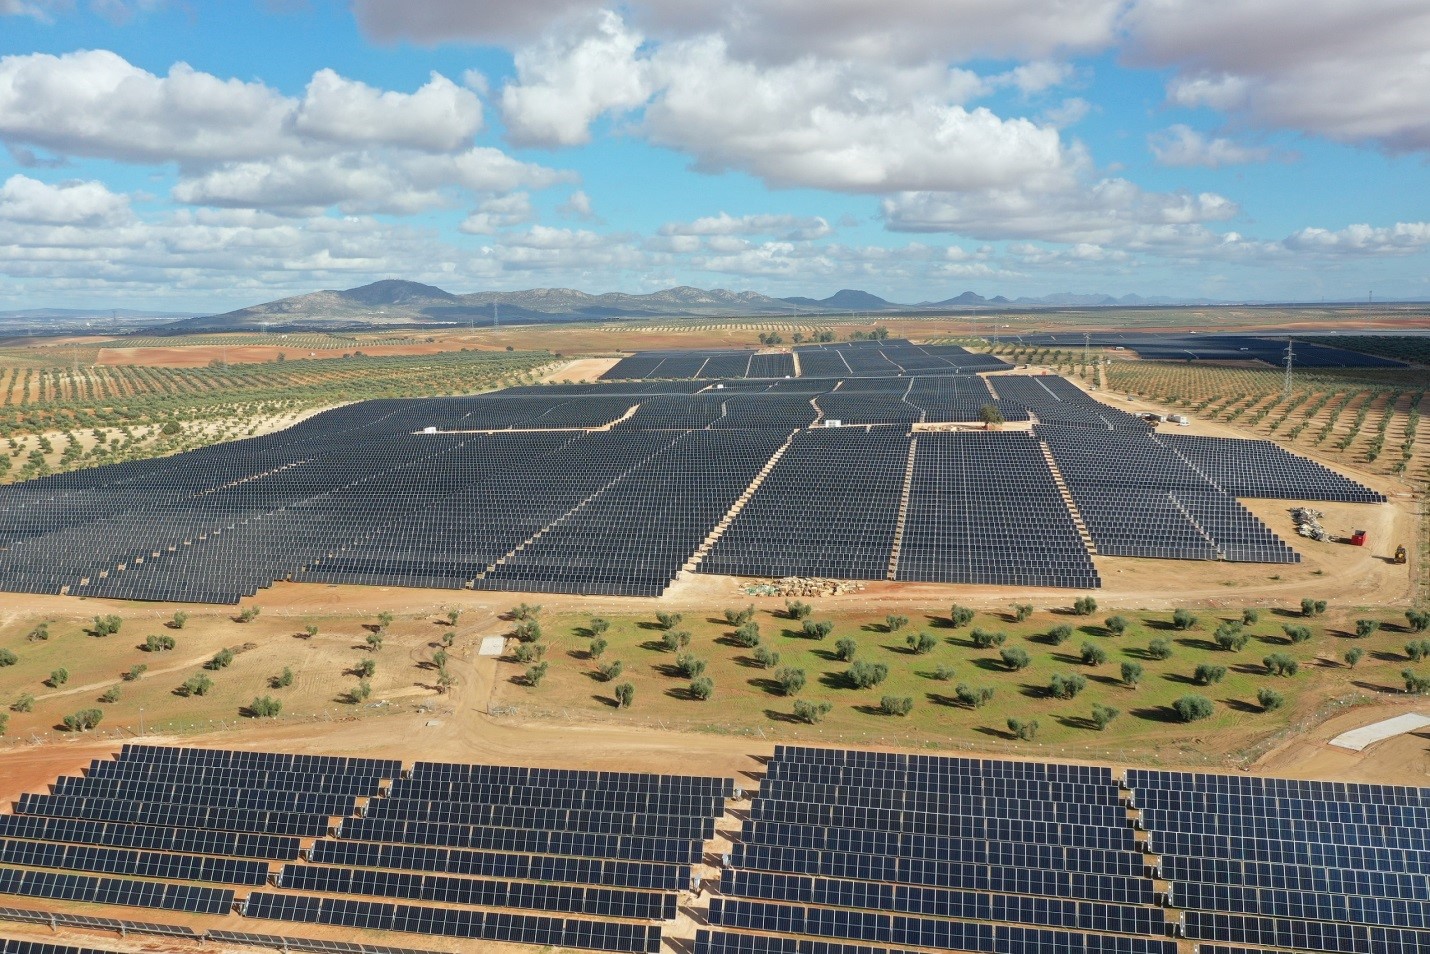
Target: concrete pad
column 1357, row 739
column 492, row 646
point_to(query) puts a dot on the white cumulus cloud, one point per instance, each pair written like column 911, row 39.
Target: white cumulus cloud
column 1181, row 145
column 31, row 201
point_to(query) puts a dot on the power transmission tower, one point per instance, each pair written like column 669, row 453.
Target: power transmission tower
column 1290, row 356
column 1086, row 338
column 496, row 315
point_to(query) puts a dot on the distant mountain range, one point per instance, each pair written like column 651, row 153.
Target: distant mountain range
column 396, row 302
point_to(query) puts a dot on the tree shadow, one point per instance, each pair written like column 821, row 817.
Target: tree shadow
column 1157, row 714
column 683, row 693
column 1077, row 722
column 1239, row 705
column 996, row 733
column 828, row 655
column 607, row 701
column 904, row 650
column 786, row 717
column 1161, row 625
column 941, row 699
column 728, row 640
column 1139, row 652
column 654, row 645
column 1384, row 656
column 1288, row 614
column 748, row 662
column 867, row 709
column 669, row 669
column 1192, row 642
column 991, row 665
column 1094, row 630
column 1249, row 669
column 1180, row 679
column 836, row 680
column 1067, row 659
column 1035, row 691
column 768, row 686
column 1043, row 639
column 648, row 625
column 1104, row 680
column 1376, row 687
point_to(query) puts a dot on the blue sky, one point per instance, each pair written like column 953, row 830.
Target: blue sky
column 199, row 155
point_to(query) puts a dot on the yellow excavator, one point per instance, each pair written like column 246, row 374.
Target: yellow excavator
column 1399, row 554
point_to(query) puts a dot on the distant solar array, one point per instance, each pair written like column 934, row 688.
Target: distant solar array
column 1214, row 347
column 550, row 857
column 615, row 488
column 892, row 357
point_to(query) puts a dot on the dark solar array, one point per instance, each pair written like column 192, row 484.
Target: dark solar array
column 828, row 508
column 886, row 852
column 536, row 856
column 1139, row 497
column 859, row 358
column 1312, row 866
column 615, row 488
column 983, row 508
column 1195, row 347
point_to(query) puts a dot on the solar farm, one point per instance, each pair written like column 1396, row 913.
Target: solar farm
column 829, row 851
column 869, row 460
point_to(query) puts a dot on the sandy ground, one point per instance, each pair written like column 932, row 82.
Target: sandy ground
column 581, row 370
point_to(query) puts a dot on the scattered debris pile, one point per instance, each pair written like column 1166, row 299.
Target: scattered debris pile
column 1308, row 523
column 804, row 586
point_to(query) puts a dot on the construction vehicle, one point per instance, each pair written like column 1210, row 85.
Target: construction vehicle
column 1400, row 555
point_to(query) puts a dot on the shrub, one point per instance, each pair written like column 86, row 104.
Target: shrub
column 846, row 649
column 1093, row 655
column 668, row 620
column 987, row 639
column 59, row 677
column 739, row 617
column 767, row 658
column 611, row 670
column 943, row 673
column 896, row 705
column 534, row 675
column 107, row 625
column 675, row 639
column 134, row 672
column 1015, row 658
column 265, row 707
column 221, row 660
column 83, row 720
column 179, row 620
column 1084, row 606
column 449, row 637
column 1269, row 699
column 25, row 703
column 361, row 692
column 1366, row 627
column 285, row 678
column 817, row 629
column 527, row 631
column 598, row 625
column 748, row 635
column 1066, row 685
column 154, row 643
column 1250, row 617
column 811, row 712
column 311, row 630
column 1160, row 649
column 960, row 616
column 791, row 680
column 597, row 647
column 198, row 685
column 1192, row 708
column 39, row 634
column 973, row 697
column 8, row 658
column 1102, row 716
column 1280, row 664
column 374, row 641
column 4, row 722
column 625, row 695
column 798, row 609
column 702, row 688
column 1417, row 649
column 1207, row 674
column 923, row 643
column 1183, row 619
column 1415, row 683
column 1310, row 607
column 453, row 616
column 110, row 695
column 248, row 615
column 1060, row 634
column 522, row 611
column 689, row 666
column 867, row 675
column 1026, row 731
column 1116, row 625
column 1354, row 656
column 1297, row 634
column 1230, row 639
column 1021, row 611
column 1131, row 674
column 1418, row 620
